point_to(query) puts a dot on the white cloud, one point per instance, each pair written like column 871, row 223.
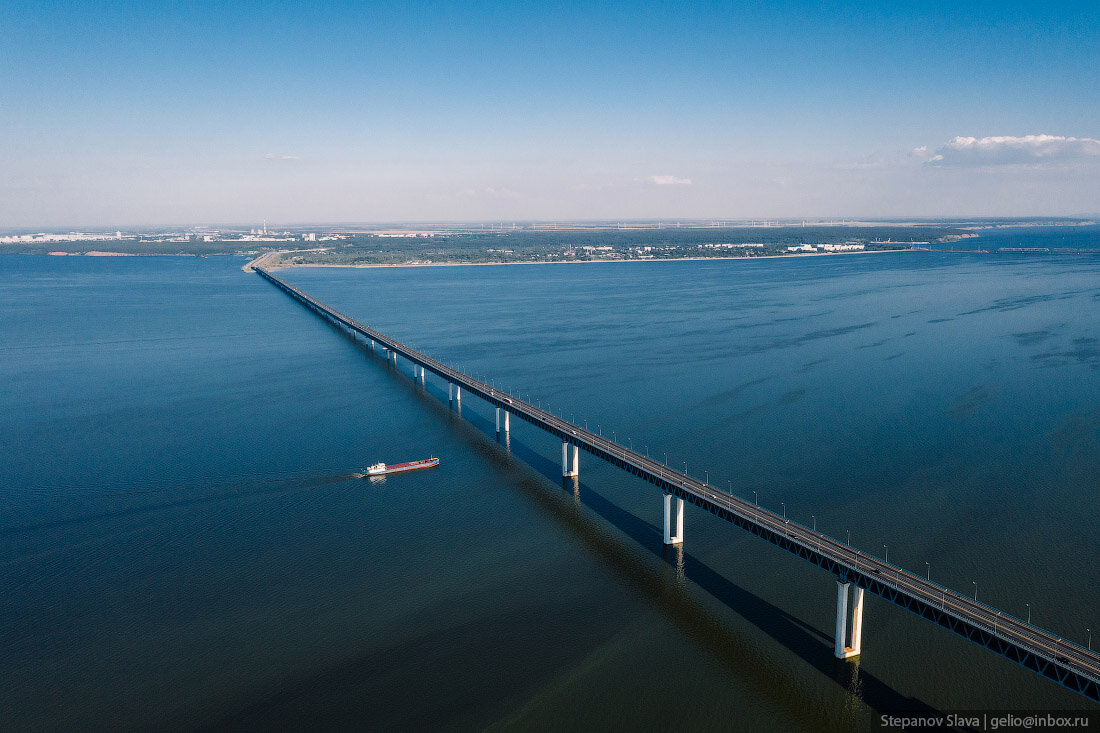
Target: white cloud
column 272, row 156
column 1029, row 150
column 668, row 181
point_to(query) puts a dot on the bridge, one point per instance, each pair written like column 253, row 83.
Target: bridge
column 1047, row 654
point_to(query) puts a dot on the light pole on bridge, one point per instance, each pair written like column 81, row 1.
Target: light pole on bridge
column 1028, row 612
column 928, row 567
column 814, row 518
column 975, row 589
column 887, row 554
column 756, row 498
column 849, row 537
column 1090, row 638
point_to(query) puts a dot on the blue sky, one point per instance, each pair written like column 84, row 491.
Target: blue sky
column 193, row 112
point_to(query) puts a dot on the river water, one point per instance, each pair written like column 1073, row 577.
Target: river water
column 184, row 542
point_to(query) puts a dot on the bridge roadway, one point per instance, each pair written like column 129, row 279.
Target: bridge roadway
column 1065, row 662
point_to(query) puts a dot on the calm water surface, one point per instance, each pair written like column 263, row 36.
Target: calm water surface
column 183, row 542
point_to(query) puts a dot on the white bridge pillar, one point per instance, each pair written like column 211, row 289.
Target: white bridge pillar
column 505, row 420
column 669, row 538
column 568, row 471
column 450, row 391
column 421, row 376
column 845, row 650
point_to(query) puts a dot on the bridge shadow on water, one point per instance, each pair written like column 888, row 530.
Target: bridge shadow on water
column 666, row 587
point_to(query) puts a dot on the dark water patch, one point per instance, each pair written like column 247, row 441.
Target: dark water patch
column 971, row 401
column 1085, row 352
column 806, row 338
column 874, row 344
column 1027, row 338
column 1022, row 301
column 728, row 395
column 1078, row 432
column 940, row 320
column 784, row 400
column 894, row 356
column 811, row 365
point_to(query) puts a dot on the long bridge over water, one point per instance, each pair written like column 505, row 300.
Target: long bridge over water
column 1047, row 654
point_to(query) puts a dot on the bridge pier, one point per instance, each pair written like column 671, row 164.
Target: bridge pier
column 567, row 470
column 394, row 359
column 843, row 649
column 372, row 344
column 505, row 420
column 679, row 538
column 421, row 376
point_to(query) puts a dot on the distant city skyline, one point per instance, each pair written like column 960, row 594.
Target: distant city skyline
column 137, row 114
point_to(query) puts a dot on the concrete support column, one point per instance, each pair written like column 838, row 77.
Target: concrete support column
column 458, row 394
column 372, row 344
column 843, row 649
column 394, row 359
column 421, row 376
column 679, row 537
column 498, row 421
column 506, row 415
column 450, row 391
column 568, row 471
column 857, row 621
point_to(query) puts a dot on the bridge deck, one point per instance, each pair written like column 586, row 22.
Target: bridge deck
column 1065, row 662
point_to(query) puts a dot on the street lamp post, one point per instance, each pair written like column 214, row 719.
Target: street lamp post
column 756, row 498
column 1090, row 638
column 975, row 589
column 928, row 567
column 666, row 459
column 849, row 537
column 887, row 558
column 1028, row 612
column 784, row 505
column 708, row 477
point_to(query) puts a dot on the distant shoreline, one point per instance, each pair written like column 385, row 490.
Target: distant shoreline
column 581, row 262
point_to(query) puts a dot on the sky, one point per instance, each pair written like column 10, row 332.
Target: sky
column 191, row 112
